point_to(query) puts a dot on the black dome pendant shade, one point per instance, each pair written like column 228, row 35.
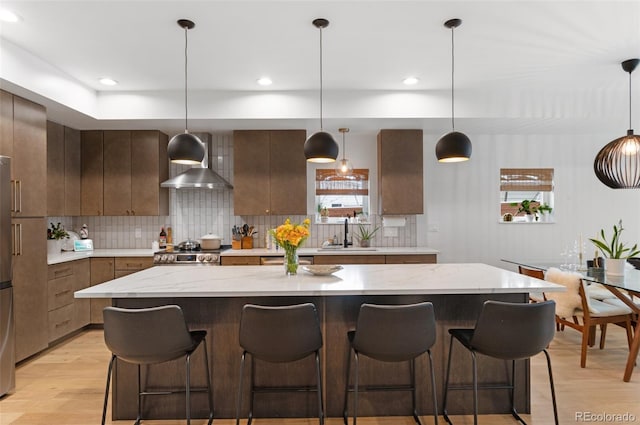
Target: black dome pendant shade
column 617, row 165
column 453, row 146
column 321, row 147
column 185, row 148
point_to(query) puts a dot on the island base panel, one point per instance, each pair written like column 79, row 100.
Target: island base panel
column 338, row 314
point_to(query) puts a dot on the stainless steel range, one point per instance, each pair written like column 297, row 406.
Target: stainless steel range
column 200, row 257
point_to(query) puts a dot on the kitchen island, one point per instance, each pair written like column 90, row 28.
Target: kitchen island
column 212, row 298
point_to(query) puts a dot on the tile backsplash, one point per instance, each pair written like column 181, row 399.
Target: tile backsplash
column 195, row 212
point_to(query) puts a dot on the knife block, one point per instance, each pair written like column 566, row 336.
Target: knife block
column 247, row 242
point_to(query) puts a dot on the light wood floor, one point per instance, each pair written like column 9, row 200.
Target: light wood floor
column 65, row 385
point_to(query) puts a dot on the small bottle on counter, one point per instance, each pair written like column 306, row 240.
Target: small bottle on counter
column 162, row 242
column 268, row 244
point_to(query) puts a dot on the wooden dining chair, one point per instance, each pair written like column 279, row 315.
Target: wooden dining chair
column 534, row 297
column 576, row 310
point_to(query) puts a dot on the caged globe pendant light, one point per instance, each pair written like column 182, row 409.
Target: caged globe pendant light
column 617, row 165
column 453, row 146
column 185, row 148
column 321, row 147
column 344, row 167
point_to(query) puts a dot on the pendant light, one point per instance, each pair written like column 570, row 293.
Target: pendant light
column 344, row 167
column 185, row 148
column 617, row 165
column 453, row 146
column 321, row 147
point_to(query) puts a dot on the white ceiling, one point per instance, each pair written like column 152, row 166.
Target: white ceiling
column 521, row 66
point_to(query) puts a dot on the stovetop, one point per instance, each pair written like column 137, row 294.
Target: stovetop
column 204, row 257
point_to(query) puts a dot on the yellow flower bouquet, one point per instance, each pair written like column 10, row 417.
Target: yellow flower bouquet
column 290, row 236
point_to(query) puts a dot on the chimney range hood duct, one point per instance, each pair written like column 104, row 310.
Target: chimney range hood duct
column 200, row 176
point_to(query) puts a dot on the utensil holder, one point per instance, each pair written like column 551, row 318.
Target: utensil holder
column 247, row 242
column 236, row 244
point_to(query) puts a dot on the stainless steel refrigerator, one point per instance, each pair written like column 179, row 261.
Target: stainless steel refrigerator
column 7, row 332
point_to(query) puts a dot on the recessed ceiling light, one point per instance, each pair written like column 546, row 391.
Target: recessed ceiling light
column 265, row 81
column 8, row 16
column 410, row 81
column 108, row 81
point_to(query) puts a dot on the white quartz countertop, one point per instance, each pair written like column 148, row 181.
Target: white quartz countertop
column 63, row 257
column 262, row 252
column 371, row 279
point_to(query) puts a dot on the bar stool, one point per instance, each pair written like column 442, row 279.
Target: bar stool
column 392, row 333
column 279, row 335
column 508, row 331
column 149, row 336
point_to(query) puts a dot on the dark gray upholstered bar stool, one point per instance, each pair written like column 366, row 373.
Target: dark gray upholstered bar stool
column 149, row 336
column 392, row 333
column 279, row 335
column 508, row 331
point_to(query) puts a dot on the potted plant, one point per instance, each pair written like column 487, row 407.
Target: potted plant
column 528, row 207
column 55, row 235
column 615, row 251
column 545, row 211
column 364, row 235
column 324, row 213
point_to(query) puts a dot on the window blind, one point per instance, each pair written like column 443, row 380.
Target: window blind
column 526, row 179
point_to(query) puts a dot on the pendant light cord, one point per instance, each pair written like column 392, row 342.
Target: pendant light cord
column 186, row 109
column 453, row 125
column 343, row 150
column 630, row 100
column 321, row 127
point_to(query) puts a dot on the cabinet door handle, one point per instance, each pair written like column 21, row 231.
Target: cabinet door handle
column 14, row 195
column 17, row 239
column 61, row 293
column 17, row 196
column 14, row 239
column 61, row 271
column 63, row 323
column 133, row 212
column 19, row 182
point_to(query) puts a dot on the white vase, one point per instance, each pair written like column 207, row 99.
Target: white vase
column 614, row 266
column 54, row 246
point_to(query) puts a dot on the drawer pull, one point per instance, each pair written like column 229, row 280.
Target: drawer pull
column 63, row 323
column 58, row 272
column 61, row 293
column 136, row 265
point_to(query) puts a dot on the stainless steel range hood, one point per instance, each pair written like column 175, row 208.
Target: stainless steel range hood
column 200, row 176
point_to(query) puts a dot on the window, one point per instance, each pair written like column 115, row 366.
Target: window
column 526, row 194
column 340, row 197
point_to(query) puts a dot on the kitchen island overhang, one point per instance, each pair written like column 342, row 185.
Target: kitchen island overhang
column 212, row 298
column 375, row 279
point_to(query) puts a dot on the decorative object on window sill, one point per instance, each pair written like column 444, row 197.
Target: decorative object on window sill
column 321, row 147
column 185, row 148
column 453, row 146
column 617, row 165
column 344, row 167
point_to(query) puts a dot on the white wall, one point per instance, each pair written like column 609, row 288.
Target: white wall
column 462, row 200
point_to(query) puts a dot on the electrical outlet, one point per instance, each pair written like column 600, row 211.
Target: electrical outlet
column 138, row 233
column 390, row 232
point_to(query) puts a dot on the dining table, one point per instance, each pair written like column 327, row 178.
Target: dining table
column 624, row 287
